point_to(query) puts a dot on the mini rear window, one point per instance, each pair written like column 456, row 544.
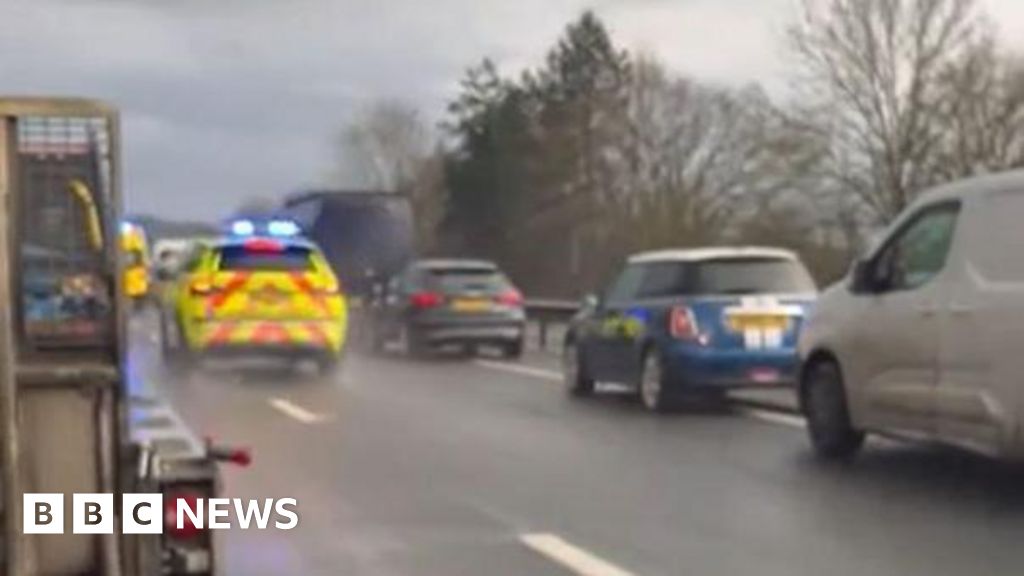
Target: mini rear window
column 754, row 275
column 288, row 259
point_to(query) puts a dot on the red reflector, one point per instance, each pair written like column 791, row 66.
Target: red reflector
column 681, row 323
column 188, row 528
column 425, row 300
column 511, row 297
column 263, row 245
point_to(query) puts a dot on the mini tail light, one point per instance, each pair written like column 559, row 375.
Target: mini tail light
column 681, row 324
column 421, row 300
column 188, row 528
column 510, row 297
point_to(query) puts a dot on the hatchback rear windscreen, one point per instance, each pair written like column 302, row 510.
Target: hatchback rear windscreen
column 755, row 275
column 459, row 280
column 289, row 259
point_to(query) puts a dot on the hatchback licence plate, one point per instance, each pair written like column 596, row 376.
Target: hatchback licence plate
column 471, row 305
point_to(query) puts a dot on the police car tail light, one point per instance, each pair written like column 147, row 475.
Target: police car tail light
column 423, row 300
column 682, row 325
column 188, row 529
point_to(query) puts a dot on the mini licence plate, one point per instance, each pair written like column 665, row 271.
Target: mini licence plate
column 471, row 305
column 741, row 322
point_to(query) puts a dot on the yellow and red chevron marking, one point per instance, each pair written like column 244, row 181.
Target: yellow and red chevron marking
column 317, row 334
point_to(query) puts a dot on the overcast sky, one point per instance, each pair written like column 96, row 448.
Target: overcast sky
column 229, row 99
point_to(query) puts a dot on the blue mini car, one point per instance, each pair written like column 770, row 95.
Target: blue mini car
column 686, row 323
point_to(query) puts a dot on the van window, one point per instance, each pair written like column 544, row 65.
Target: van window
column 918, row 252
column 997, row 245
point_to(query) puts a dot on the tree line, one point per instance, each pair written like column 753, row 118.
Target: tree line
column 559, row 171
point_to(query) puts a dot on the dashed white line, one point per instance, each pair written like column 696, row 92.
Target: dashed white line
column 295, row 411
column 790, row 420
column 572, row 557
column 522, row 370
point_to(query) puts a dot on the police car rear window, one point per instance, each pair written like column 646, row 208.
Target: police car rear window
column 287, row 259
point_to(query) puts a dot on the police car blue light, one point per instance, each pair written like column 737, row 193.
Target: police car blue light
column 243, row 228
column 284, row 228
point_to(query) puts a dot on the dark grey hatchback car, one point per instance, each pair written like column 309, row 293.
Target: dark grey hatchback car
column 438, row 302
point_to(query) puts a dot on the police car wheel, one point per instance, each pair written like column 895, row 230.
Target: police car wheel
column 828, row 420
column 574, row 371
column 328, row 365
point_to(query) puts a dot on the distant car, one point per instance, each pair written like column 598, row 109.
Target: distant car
column 253, row 293
column 923, row 338
column 464, row 302
column 680, row 323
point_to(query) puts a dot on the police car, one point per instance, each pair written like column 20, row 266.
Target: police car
column 261, row 290
column 680, row 323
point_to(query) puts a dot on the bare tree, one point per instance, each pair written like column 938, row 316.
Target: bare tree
column 700, row 155
column 384, row 145
column 872, row 71
column 982, row 107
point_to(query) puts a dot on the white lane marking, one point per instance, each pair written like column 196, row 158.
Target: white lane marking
column 783, row 419
column 294, row 411
column 775, row 417
column 572, row 557
column 521, row 369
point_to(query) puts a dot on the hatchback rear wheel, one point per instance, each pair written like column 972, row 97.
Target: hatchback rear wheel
column 832, row 434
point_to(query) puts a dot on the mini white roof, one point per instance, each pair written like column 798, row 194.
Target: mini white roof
column 713, row 253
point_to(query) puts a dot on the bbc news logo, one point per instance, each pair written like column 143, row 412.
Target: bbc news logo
column 150, row 514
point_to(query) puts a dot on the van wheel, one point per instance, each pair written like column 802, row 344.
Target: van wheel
column 574, row 371
column 828, row 419
column 656, row 394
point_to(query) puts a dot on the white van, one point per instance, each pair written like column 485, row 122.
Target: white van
column 925, row 337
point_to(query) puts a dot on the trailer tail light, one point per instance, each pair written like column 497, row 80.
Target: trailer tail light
column 511, row 297
column 188, row 529
column 424, row 300
column 682, row 325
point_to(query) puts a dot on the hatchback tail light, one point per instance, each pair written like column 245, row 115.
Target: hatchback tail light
column 423, row 300
column 510, row 297
column 682, row 325
column 188, row 529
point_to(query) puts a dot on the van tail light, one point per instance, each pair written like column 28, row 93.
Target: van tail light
column 424, row 300
column 510, row 297
column 188, row 529
column 682, row 325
